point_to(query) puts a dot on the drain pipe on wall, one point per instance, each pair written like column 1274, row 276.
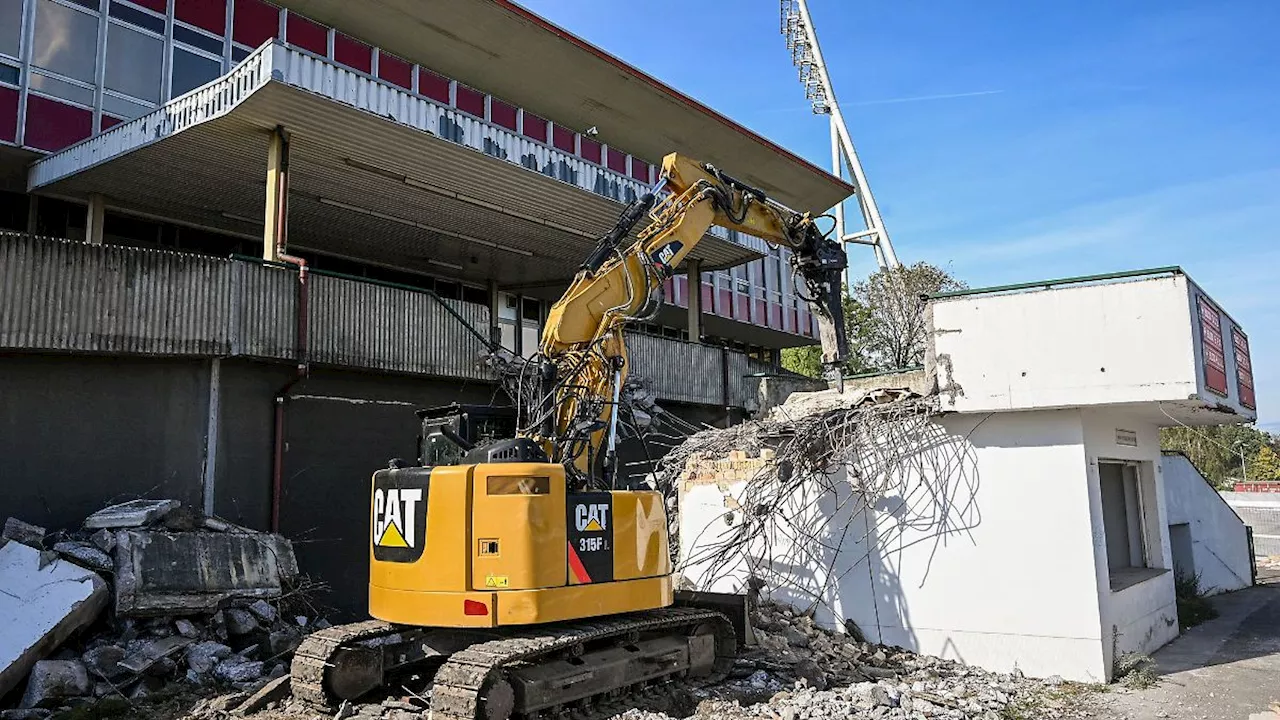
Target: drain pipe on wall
column 301, row 323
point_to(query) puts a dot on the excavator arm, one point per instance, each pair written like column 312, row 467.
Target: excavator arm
column 621, row 281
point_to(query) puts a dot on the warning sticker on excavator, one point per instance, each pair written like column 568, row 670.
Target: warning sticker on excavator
column 399, row 517
column 497, row 581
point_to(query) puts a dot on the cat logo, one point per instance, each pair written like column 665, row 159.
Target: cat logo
column 665, row 254
column 394, row 515
column 592, row 518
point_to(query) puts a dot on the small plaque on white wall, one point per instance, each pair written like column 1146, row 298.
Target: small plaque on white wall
column 1128, row 438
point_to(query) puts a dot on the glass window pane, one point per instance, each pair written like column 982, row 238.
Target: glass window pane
column 10, row 26
column 190, row 71
column 134, row 62
column 123, row 108
column 197, row 39
column 62, row 89
column 66, row 41
column 136, row 17
column 9, row 74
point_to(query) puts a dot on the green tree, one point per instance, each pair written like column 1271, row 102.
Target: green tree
column 1265, row 466
column 807, row 360
column 1219, row 451
column 895, row 335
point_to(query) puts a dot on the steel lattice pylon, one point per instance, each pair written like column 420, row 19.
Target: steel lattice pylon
column 802, row 41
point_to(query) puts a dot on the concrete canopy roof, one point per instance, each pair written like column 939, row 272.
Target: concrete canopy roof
column 369, row 181
column 501, row 48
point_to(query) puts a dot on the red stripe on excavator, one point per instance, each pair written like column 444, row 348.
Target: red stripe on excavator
column 575, row 565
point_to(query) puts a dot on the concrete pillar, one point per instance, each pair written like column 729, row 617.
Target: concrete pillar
column 33, row 214
column 277, row 207
column 96, row 213
column 695, row 299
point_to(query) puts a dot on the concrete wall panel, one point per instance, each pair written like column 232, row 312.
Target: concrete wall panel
column 1218, row 537
column 77, row 433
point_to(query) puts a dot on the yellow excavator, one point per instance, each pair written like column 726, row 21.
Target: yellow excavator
column 515, row 574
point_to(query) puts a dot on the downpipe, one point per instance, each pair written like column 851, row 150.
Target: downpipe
column 301, row 336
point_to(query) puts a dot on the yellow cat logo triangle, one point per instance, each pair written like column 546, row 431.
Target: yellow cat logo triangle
column 593, row 526
column 391, row 537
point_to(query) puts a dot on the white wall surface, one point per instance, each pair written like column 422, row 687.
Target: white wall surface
column 1219, row 543
column 1144, row 616
column 1069, row 346
column 994, row 567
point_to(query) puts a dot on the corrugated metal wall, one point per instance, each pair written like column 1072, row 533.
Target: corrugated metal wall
column 65, row 296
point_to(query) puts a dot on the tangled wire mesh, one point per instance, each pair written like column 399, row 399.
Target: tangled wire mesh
column 833, row 486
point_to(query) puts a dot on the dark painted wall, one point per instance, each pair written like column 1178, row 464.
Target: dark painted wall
column 80, row 432
column 339, row 428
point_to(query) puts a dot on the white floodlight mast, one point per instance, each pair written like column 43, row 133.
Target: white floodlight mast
column 802, row 41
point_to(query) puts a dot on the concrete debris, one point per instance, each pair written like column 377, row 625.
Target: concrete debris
column 25, row 533
column 238, row 670
column 152, row 652
column 198, row 601
column 132, row 514
column 835, row 676
column 54, row 680
column 273, row 692
column 40, row 608
column 85, row 555
column 104, row 540
column 264, row 611
column 167, row 573
column 203, row 657
column 104, row 661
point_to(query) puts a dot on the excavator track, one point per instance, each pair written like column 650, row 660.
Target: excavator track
column 531, row 672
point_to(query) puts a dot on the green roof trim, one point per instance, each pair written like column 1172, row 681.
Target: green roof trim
column 1046, row 284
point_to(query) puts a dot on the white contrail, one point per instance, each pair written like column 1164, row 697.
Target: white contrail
column 919, row 98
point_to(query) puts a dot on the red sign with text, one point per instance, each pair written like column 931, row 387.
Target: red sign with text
column 1215, row 362
column 1244, row 369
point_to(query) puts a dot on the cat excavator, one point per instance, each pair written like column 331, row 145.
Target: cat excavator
column 518, row 575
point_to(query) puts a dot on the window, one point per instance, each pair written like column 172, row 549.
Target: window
column 62, row 89
column 1124, row 523
column 66, row 41
column 134, row 62
column 10, row 27
column 197, row 39
column 120, row 107
column 9, row 74
column 190, row 71
column 133, row 16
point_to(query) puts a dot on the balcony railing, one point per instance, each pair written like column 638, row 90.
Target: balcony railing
column 62, row 296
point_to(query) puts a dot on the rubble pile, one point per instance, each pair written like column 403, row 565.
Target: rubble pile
column 799, row 671
column 147, row 596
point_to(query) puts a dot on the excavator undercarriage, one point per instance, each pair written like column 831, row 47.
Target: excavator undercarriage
column 536, row 672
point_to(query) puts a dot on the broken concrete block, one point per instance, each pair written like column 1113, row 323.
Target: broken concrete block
column 104, row 540
column 238, row 670
column 240, row 621
column 40, row 607
column 264, row 610
column 186, row 628
column 132, row 514
column 152, row 652
column 283, row 642
column 274, row 691
column 25, row 533
column 104, row 661
column 203, row 657
column 25, row 714
column 161, row 573
column 53, row 681
column 86, row 555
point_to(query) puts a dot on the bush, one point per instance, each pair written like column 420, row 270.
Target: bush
column 1193, row 605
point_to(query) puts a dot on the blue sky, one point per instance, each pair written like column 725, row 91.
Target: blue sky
column 1011, row 141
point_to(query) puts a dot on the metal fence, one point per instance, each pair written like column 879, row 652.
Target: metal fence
column 1260, row 511
column 58, row 295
